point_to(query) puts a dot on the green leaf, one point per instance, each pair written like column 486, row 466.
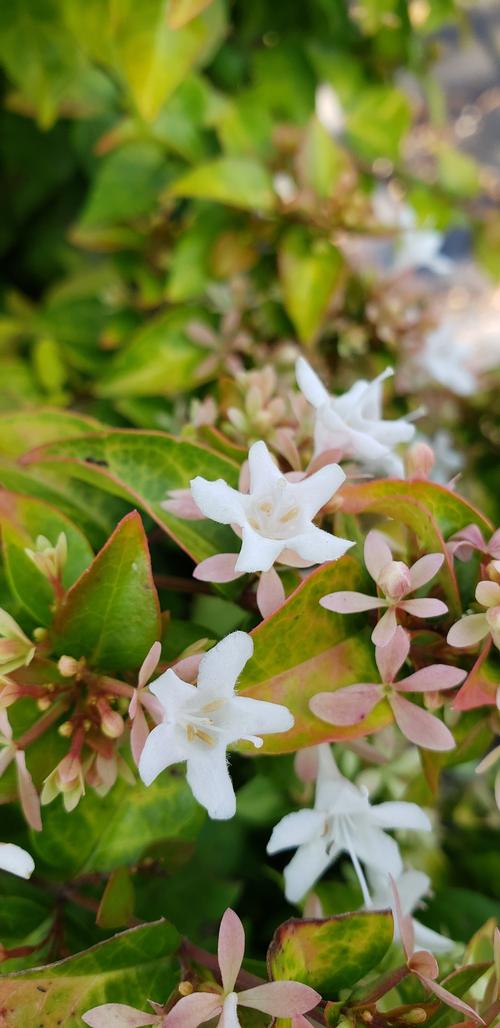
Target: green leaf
column 153, row 57
column 143, row 467
column 332, row 651
column 112, row 615
column 322, row 160
column 116, row 830
column 117, row 902
column 310, row 271
column 458, row 172
column 22, row 519
column 237, row 181
column 379, row 121
column 126, row 969
column 127, row 184
column 431, row 511
column 160, row 359
column 181, row 12
column 332, row 953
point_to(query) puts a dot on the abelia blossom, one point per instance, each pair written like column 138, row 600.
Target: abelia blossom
column 350, row 705
column 16, row 650
column 396, row 581
column 28, row 795
column 415, row 246
column 412, row 887
column 201, row 722
column 342, row 821
column 463, row 544
column 472, row 628
column 277, row 999
column 353, row 423
column 16, row 860
column 48, row 558
column 275, row 518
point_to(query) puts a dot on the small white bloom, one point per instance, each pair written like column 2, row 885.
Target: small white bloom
column 352, row 422
column 412, row 887
column 414, row 247
column 275, row 517
column 342, row 821
column 329, row 109
column 462, row 349
column 201, row 721
column 16, row 860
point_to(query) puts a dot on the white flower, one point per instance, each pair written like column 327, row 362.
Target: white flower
column 16, row 860
column 275, row 517
column 352, row 423
column 464, row 347
column 329, row 109
column 412, row 887
column 415, row 247
column 342, row 822
column 201, row 722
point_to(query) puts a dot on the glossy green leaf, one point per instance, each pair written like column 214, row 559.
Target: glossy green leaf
column 111, row 615
column 332, row 953
column 180, row 12
column 125, row 969
column 160, row 360
column 117, row 901
column 310, row 271
column 127, row 184
column 116, row 830
column 22, row 519
column 322, row 160
column 323, row 652
column 143, row 467
column 379, row 121
column 236, row 181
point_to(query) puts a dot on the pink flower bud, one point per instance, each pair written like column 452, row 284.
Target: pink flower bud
column 69, row 666
column 395, row 580
column 112, row 723
column 419, row 460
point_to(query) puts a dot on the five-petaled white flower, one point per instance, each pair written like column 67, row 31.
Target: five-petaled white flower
column 342, row 821
column 412, row 886
column 275, row 517
column 352, row 423
column 16, row 860
column 201, row 721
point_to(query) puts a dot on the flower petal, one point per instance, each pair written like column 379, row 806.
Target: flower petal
column 468, row 631
column 270, row 592
column 161, row 749
column 426, row 938
column 280, row 999
column 190, row 1011
column 375, row 848
column 346, row 706
column 219, row 568
column 295, row 829
column 421, row 727
column 171, row 691
column 424, row 569
column 30, row 801
column 310, row 384
column 229, row 1015
column 350, row 602
column 377, row 553
column 488, row 594
column 392, row 656
column 218, row 501
column 221, row 667
column 400, row 814
column 209, row 780
column 427, row 607
column 314, row 491
column 450, row 999
column 305, row 867
column 118, row 1015
column 384, row 630
column 16, row 860
column 263, row 469
column 432, row 679
column 257, row 553
column 317, row 546
column 259, row 717
column 231, row 948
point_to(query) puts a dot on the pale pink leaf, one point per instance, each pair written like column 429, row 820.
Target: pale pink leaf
column 231, row 948
column 30, row 800
column 377, row 554
column 432, row 679
column 385, row 628
column 419, row 726
column 219, row 568
column 424, row 569
column 149, row 664
column 270, row 592
column 280, row 999
column 350, row 602
column 346, row 706
column 118, row 1015
column 392, row 656
column 424, row 608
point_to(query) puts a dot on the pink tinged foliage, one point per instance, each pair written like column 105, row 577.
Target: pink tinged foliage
column 352, row 704
column 278, row 999
column 423, row 964
column 395, row 580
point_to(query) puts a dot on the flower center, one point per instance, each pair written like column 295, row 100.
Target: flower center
column 201, row 724
column 394, row 580
column 275, row 515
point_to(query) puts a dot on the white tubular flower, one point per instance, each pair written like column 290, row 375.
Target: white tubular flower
column 415, row 246
column 275, row 517
column 201, row 721
column 412, row 886
column 353, row 423
column 342, row 821
column 16, row 860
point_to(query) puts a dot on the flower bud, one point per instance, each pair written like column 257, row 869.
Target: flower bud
column 419, row 460
column 112, row 723
column 69, row 666
column 395, row 580
column 415, row 1016
column 16, row 649
column 49, row 559
column 185, row 988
